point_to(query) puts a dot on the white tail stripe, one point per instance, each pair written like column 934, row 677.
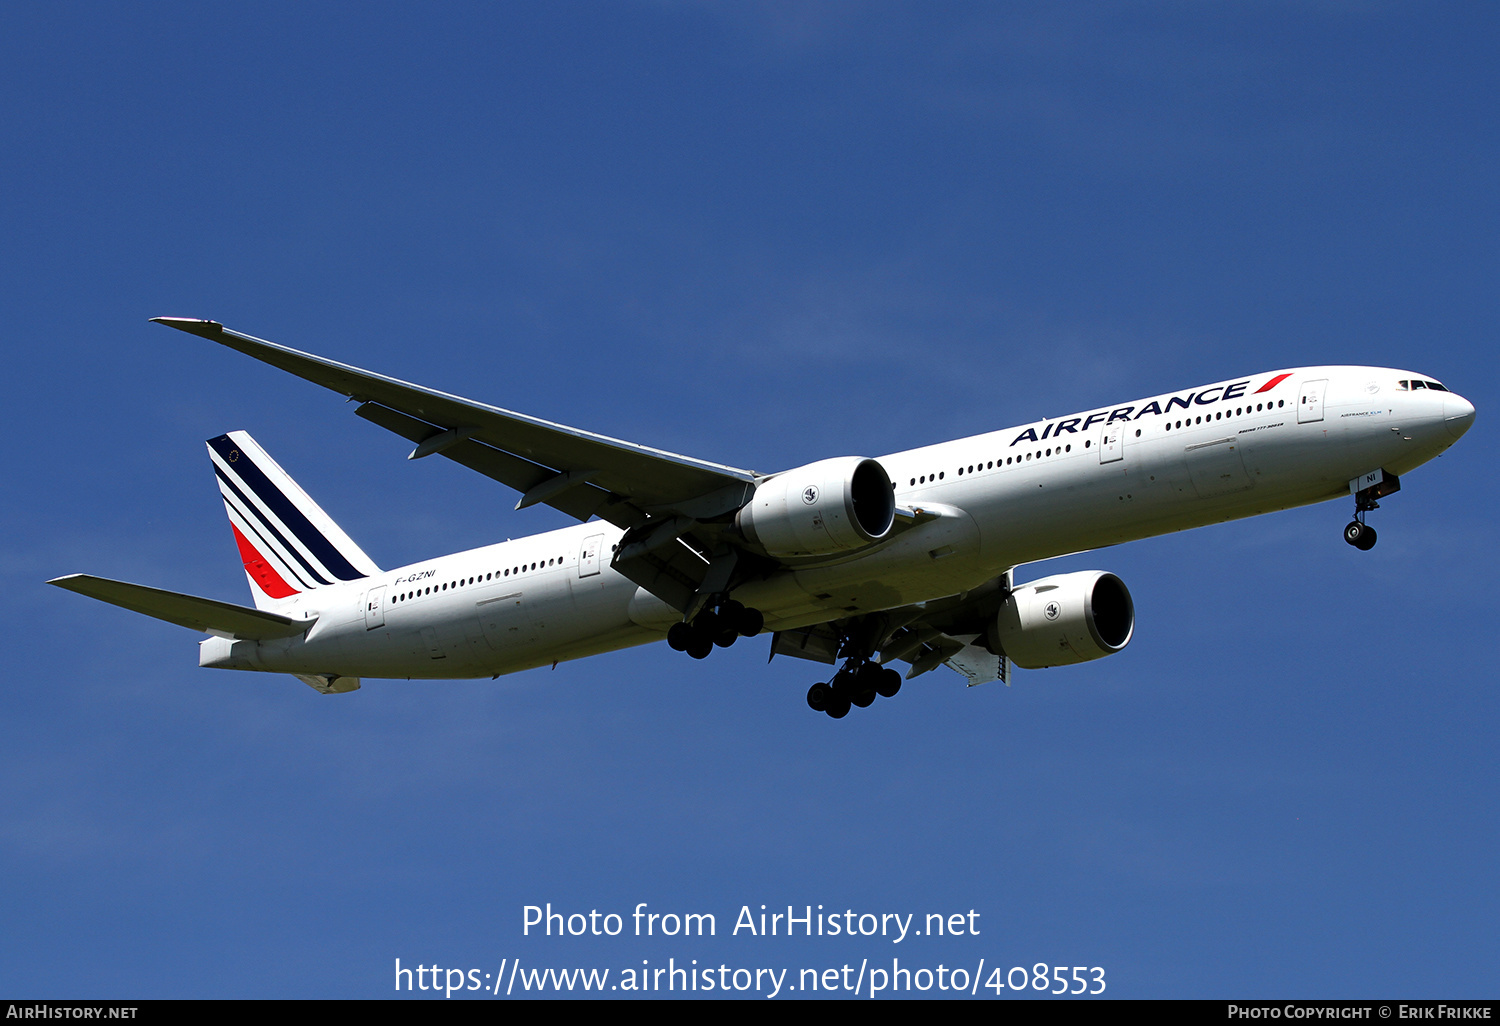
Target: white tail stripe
column 289, row 508
column 270, row 550
column 270, row 529
column 283, row 533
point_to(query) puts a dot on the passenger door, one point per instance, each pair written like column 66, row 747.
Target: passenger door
column 1310, row 402
column 374, row 608
column 588, row 556
column 1112, row 442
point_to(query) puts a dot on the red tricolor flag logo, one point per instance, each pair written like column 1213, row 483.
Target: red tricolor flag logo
column 1278, row 379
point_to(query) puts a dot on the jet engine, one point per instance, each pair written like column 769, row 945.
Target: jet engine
column 1069, row 618
column 821, row 509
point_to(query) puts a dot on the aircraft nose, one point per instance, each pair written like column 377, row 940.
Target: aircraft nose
column 1458, row 414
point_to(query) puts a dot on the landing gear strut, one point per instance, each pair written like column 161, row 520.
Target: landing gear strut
column 1377, row 485
column 719, row 624
column 1358, row 533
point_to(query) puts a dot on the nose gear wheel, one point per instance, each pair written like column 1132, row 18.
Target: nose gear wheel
column 1360, row 535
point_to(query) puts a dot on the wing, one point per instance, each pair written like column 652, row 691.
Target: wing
column 210, row 616
column 673, row 508
column 578, row 472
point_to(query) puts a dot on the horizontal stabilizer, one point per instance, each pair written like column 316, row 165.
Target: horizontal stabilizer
column 224, row 619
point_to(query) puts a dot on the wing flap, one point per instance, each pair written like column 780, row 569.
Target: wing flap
column 523, row 475
column 200, row 614
column 978, row 663
column 818, row 642
column 329, row 683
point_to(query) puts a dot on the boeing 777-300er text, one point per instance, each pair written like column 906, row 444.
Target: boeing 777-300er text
column 905, row 558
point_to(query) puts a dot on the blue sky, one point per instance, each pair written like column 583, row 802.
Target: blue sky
column 760, row 234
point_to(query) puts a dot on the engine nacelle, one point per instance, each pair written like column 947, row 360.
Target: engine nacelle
column 1070, row 618
column 823, row 508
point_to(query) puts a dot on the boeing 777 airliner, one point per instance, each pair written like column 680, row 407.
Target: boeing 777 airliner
column 852, row 560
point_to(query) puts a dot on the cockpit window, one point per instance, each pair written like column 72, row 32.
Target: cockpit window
column 1435, row 386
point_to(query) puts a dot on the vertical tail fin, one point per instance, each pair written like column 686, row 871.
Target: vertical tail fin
column 288, row 543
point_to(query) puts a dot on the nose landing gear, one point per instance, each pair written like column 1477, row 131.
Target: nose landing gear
column 1367, row 489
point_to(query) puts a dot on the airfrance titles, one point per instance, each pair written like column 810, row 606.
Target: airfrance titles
column 1205, row 397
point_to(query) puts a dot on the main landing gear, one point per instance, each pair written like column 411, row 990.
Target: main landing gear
column 718, row 625
column 856, row 684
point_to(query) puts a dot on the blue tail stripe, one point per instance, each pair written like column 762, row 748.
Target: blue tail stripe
column 260, row 528
column 295, row 521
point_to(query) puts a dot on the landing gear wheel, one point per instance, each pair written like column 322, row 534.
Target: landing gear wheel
column 731, row 610
column 890, row 683
column 818, row 697
column 726, row 637
column 1361, row 536
column 865, row 683
column 750, row 622
column 700, row 648
column 838, row 706
column 679, row 636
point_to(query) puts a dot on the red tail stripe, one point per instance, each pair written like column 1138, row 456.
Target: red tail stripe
column 259, row 570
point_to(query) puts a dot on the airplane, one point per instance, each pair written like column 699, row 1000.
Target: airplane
column 852, row 561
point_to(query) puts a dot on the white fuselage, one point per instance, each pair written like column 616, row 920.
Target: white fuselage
column 1185, row 459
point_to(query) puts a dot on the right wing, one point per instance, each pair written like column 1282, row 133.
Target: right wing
column 224, row 619
column 578, row 472
column 673, row 508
